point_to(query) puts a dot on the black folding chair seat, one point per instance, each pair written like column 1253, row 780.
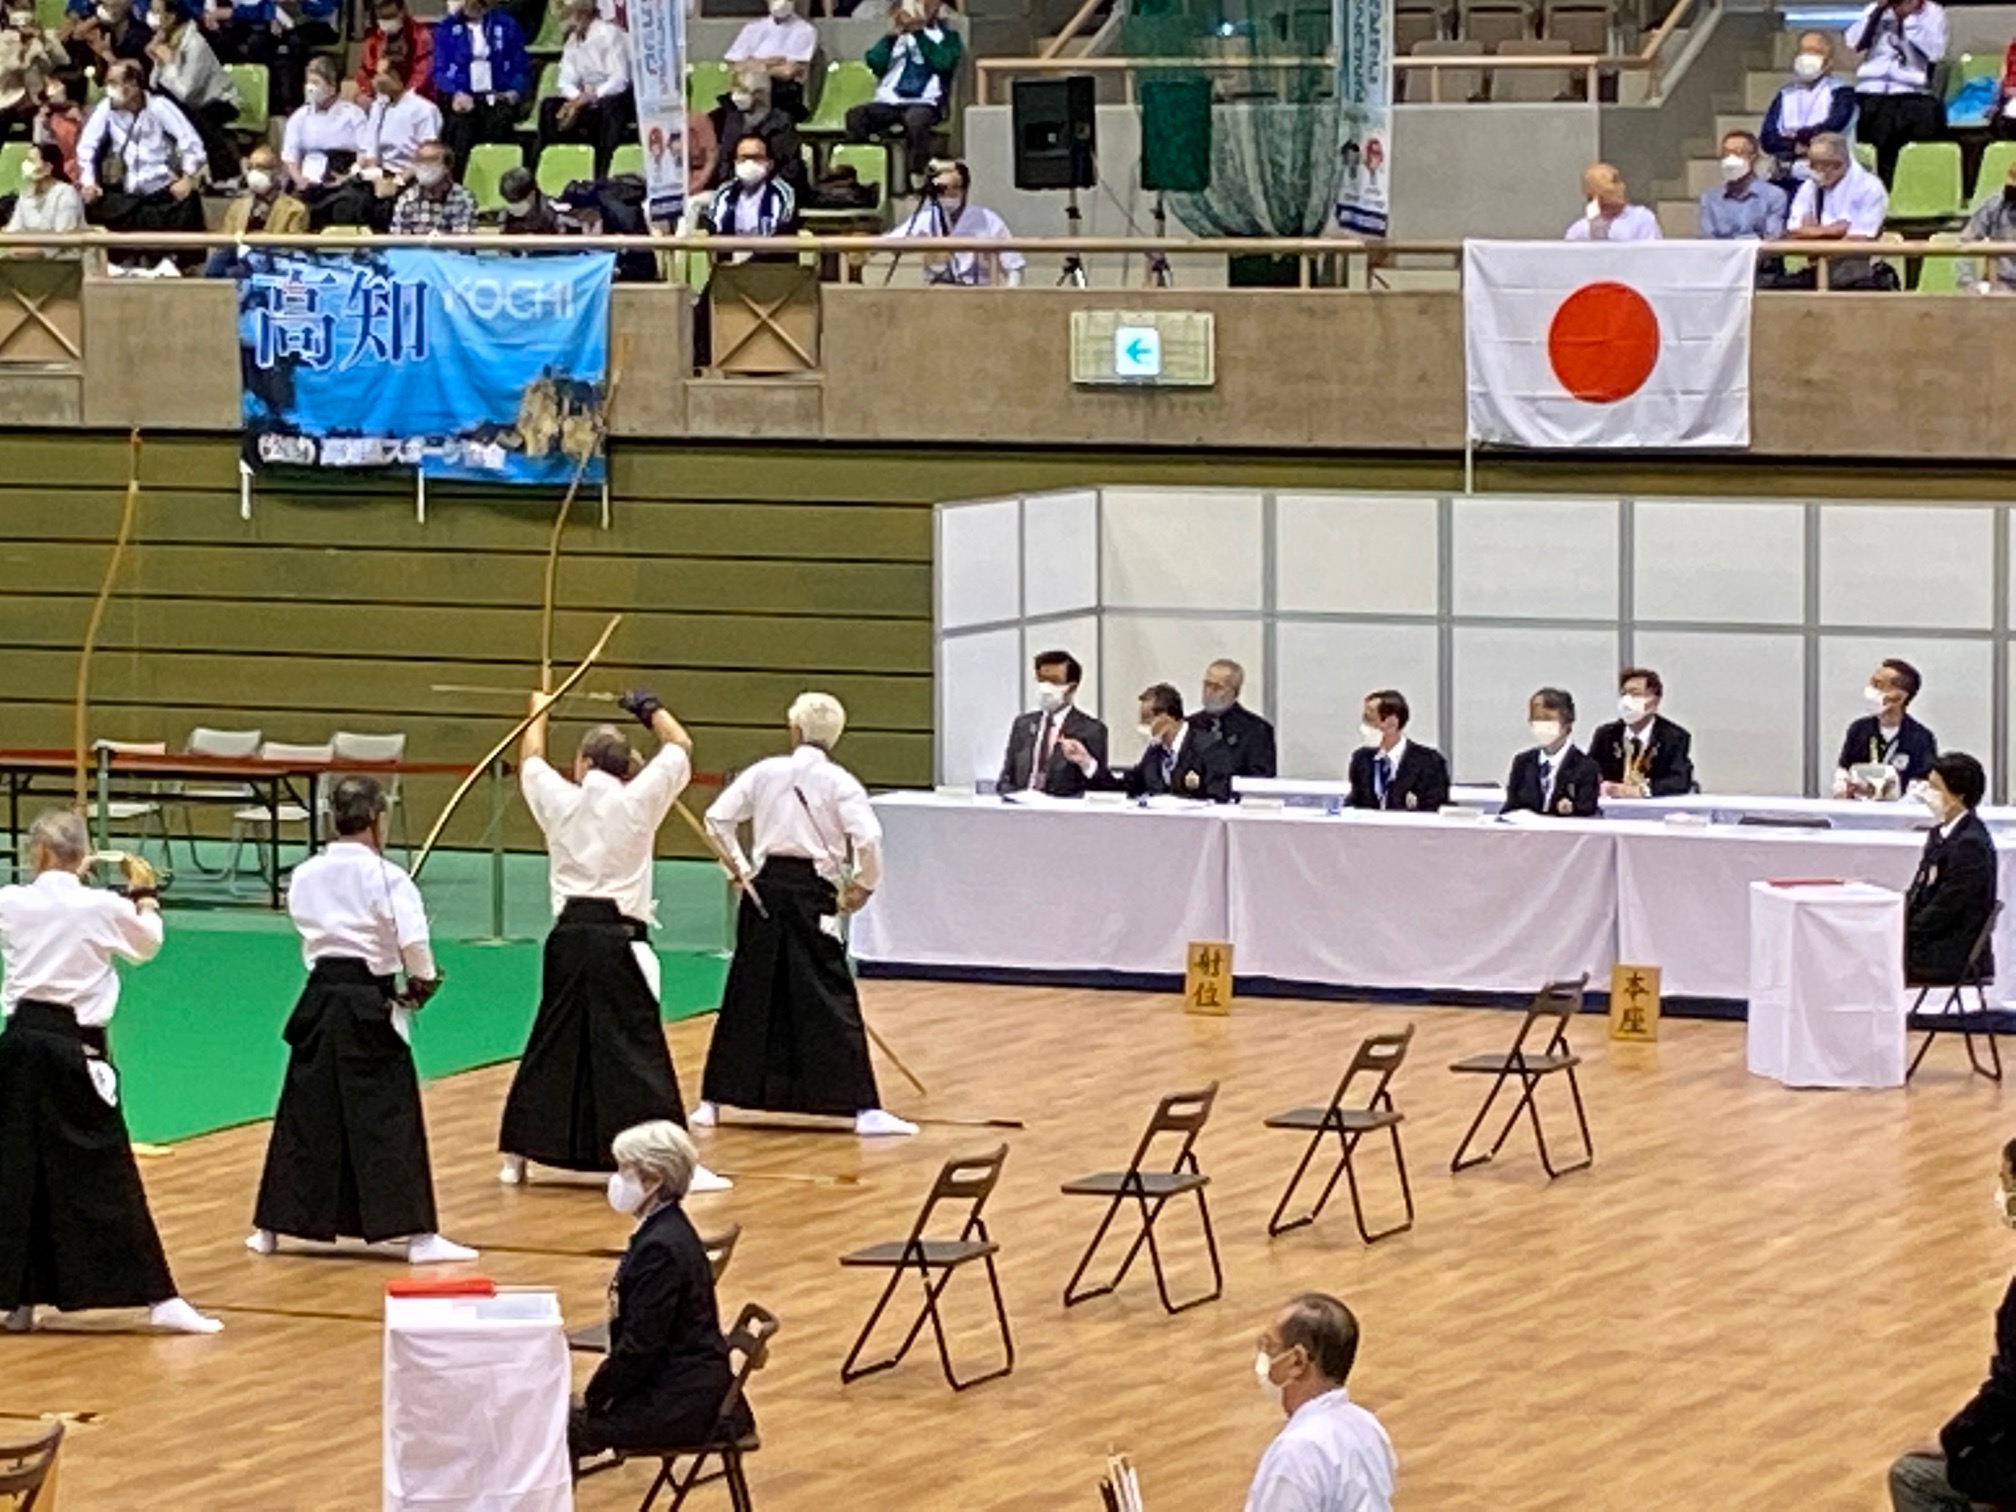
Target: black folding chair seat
column 1180, row 1115
column 935, row 1261
column 1953, row 1016
column 749, row 1342
column 1555, row 1004
column 1350, row 1120
column 1380, row 1056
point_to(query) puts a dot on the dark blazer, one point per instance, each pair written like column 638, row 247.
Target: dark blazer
column 1980, row 1439
column 667, row 1370
column 1913, row 754
column 1669, row 763
column 1950, row 899
column 1574, row 785
column 1203, row 770
column 1061, row 778
column 1247, row 736
column 1420, row 786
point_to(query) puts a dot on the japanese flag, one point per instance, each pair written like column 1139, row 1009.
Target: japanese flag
column 1572, row 344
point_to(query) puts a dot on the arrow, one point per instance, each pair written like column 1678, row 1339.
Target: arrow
column 1137, row 350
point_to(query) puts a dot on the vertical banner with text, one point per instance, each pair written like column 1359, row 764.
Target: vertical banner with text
column 1363, row 32
column 658, row 77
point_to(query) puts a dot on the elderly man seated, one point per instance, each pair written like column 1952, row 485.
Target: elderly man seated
column 139, row 161
column 433, row 204
column 782, row 44
column 595, row 103
column 1842, row 201
column 1993, row 220
column 1609, row 214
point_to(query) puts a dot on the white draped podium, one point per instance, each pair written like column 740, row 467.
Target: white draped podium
column 1827, row 985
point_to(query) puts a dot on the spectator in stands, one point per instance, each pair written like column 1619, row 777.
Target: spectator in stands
column 1993, row 221
column 1840, row 201
column 747, row 110
column 946, row 209
column 48, row 201
column 152, row 159
column 187, row 71
column 264, row 206
column 325, row 136
column 481, row 71
column 1974, row 1462
column 59, row 123
column 106, row 34
column 1333, row 1456
column 434, row 204
column 1900, row 41
column 758, row 203
column 399, row 122
column 527, row 212
column 916, row 62
column 239, row 31
column 782, row 44
column 1814, row 101
column 29, row 55
column 1609, row 214
column 395, row 34
column 595, row 103
column 1745, row 206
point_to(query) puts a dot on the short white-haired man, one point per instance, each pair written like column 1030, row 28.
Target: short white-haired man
column 790, row 1037
column 667, row 1370
column 1840, row 201
column 1333, row 1456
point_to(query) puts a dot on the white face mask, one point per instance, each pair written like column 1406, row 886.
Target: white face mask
column 388, row 27
column 626, row 1192
column 1546, row 731
column 952, row 203
column 1371, row 734
column 1933, row 802
column 258, row 180
column 1593, row 210
column 105, row 16
column 781, row 10
column 2002, row 1214
column 1050, row 697
column 316, row 93
column 1873, row 696
column 750, row 172
column 1631, row 707
column 741, row 99
column 1735, row 167
column 21, row 20
column 427, row 175
column 1263, row 1375
column 157, row 20
column 1808, row 66
column 1147, row 731
column 519, row 207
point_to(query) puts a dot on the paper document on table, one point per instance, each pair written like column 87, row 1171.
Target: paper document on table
column 1174, row 801
column 1030, row 798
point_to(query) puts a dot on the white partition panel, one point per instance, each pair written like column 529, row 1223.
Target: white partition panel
column 1717, row 563
column 979, row 679
column 1166, row 549
column 1535, row 558
column 1956, row 701
column 975, row 543
column 1141, row 649
column 1497, row 669
column 1322, row 672
column 1921, row 565
column 1749, row 731
column 1357, row 553
column 1060, row 553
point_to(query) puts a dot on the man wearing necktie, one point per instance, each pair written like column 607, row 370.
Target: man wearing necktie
column 1552, row 776
column 1389, row 771
column 1180, row 759
column 1035, row 760
column 1642, row 753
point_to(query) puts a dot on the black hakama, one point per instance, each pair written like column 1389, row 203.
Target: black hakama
column 75, row 1232
column 348, row 1154
column 596, row 1062
column 790, row 1038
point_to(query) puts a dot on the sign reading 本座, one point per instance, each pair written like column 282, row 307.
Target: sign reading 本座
column 491, row 369
column 1363, row 32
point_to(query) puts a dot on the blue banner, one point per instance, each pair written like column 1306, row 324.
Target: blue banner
column 454, row 364
column 1363, row 32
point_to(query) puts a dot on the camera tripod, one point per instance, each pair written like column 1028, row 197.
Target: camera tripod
column 1074, row 265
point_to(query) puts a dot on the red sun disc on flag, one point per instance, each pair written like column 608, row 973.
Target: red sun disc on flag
column 1603, row 342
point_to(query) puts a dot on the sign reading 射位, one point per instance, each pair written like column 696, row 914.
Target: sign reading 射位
column 1137, row 352
column 1207, row 978
column 1634, row 1002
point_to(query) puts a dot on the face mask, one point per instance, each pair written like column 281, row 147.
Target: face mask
column 519, row 207
column 2002, row 1214
column 1371, row 735
column 1049, row 697
column 21, row 20
column 1934, row 802
column 315, row 93
column 781, row 10
column 453, row 7
column 258, row 180
column 1808, row 66
column 741, row 99
column 105, row 16
column 1593, row 210
column 388, row 25
column 1734, row 168
column 1631, row 707
column 953, row 203
column 750, row 171
column 57, row 98
column 1263, row 1375
column 626, row 1192
column 1546, row 731
column 32, row 172
column 157, row 20
column 1873, row 697
column 427, row 175
column 1146, row 731
column 1217, row 703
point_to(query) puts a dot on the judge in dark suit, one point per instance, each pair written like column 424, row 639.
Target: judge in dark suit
column 1552, row 776
column 1642, row 754
column 1954, row 891
column 1035, row 761
column 1886, row 736
column 1247, row 736
column 1390, row 771
column 667, row 1370
column 1180, row 758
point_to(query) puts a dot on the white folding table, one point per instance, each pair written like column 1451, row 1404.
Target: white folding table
column 1827, row 985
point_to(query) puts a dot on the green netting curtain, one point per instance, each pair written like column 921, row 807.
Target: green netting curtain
column 1271, row 167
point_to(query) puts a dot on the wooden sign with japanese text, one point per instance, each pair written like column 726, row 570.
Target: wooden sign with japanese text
column 1207, row 978
column 1634, row 1002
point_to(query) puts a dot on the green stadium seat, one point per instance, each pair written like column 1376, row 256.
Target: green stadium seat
column 563, row 163
column 847, row 84
column 629, row 158
column 251, row 82
column 49, row 14
column 552, row 32
column 1940, row 275
column 1994, row 171
column 12, row 156
column 1970, row 66
column 870, row 162
column 1866, row 156
column 1927, row 186
column 706, row 82
column 485, row 170
column 549, row 82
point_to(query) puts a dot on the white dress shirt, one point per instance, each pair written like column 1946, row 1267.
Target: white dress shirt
column 56, row 208
column 395, row 129
column 1634, row 223
column 795, row 40
column 313, row 134
column 601, row 832
column 1392, row 770
column 1332, row 1457
column 1859, row 199
column 349, row 901
column 769, row 794
column 974, row 268
column 596, row 63
column 58, row 939
column 192, row 73
column 1897, row 56
column 144, row 141
column 1550, row 772
column 479, row 59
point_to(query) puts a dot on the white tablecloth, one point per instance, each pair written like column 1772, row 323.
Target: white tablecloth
column 1071, row 886
column 1841, row 813
column 475, row 1405
column 1827, row 985
column 1409, row 900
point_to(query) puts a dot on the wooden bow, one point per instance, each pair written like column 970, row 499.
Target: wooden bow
column 547, row 700
column 81, row 714
column 560, row 519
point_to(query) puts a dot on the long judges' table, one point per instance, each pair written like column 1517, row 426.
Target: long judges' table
column 1357, row 900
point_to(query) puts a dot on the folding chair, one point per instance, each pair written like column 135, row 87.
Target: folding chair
column 224, row 744
column 969, row 1180
column 1558, row 1003
column 1380, row 1056
column 27, row 1465
column 254, row 823
column 1180, row 1114
column 594, row 1338
column 749, row 1340
column 139, row 816
column 1952, row 1016
column 351, row 746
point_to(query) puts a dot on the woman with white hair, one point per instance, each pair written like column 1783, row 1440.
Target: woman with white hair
column 789, row 1038
column 75, row 1232
column 667, row 1371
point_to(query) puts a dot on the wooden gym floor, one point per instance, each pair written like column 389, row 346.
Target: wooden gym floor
column 1754, row 1299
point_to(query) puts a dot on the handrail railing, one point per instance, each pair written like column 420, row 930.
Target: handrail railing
column 1076, row 24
